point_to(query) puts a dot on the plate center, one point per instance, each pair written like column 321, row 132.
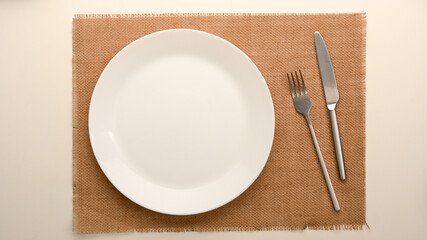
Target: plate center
column 178, row 107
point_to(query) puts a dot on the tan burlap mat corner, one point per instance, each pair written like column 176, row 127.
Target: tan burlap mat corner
column 290, row 193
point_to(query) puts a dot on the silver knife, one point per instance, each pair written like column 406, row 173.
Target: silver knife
column 331, row 95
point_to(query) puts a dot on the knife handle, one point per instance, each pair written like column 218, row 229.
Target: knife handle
column 338, row 145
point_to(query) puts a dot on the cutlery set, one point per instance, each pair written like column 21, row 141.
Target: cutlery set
column 303, row 105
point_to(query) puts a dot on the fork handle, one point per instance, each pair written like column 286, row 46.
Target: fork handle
column 338, row 145
column 323, row 166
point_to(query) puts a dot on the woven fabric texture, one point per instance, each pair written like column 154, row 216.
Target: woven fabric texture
column 290, row 193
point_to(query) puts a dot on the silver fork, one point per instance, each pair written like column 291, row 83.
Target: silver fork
column 302, row 104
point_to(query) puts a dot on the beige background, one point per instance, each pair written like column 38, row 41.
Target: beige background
column 35, row 117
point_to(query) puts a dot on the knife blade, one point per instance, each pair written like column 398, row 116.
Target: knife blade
column 332, row 96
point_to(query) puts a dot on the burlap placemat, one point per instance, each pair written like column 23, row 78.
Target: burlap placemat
column 290, row 193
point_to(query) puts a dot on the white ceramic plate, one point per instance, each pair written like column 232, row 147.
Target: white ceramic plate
column 181, row 121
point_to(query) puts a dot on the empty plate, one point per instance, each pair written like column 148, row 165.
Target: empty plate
column 181, row 121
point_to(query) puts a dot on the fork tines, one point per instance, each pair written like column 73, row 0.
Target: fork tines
column 297, row 90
